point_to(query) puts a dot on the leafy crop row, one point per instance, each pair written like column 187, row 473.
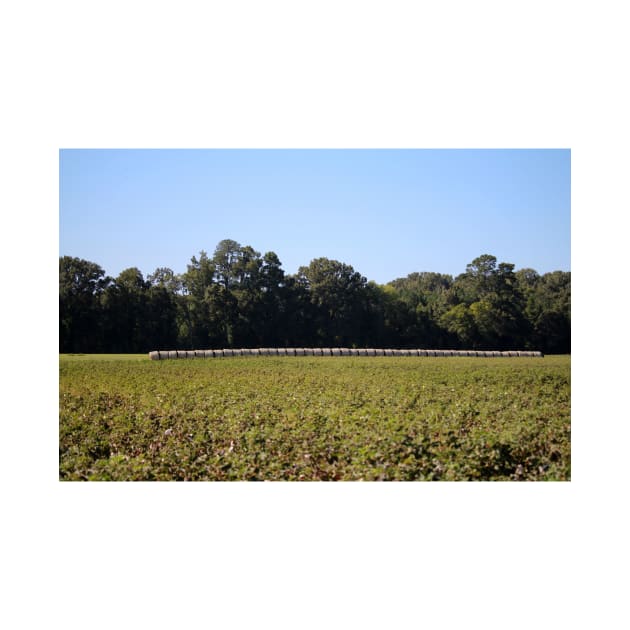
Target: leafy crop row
column 314, row 418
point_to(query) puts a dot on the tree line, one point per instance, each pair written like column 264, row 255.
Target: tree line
column 240, row 298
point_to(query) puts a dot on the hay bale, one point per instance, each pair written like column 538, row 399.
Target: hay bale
column 154, row 355
column 335, row 352
column 354, row 352
column 299, row 352
column 362, row 352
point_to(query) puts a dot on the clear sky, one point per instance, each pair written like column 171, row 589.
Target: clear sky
column 386, row 212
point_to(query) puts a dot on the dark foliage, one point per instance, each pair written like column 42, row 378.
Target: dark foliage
column 238, row 298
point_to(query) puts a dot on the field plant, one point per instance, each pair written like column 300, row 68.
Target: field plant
column 123, row 417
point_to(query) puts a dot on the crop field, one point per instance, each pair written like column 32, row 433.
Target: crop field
column 124, row 417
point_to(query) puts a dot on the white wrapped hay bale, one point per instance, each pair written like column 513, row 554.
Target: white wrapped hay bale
column 299, row 352
column 208, row 354
column 335, row 352
column 362, row 352
column 154, row 355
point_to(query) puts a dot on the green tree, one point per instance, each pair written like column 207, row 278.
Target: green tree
column 197, row 280
column 81, row 284
column 125, row 313
column 338, row 296
column 227, row 256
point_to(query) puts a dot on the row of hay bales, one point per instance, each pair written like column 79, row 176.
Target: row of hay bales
column 157, row 355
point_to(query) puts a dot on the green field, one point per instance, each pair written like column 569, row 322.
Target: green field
column 124, row 417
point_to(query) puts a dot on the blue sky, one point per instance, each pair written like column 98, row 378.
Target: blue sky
column 386, row 212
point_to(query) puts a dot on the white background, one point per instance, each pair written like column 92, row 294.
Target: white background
column 317, row 74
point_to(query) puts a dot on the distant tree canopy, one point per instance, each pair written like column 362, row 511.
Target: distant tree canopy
column 240, row 298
